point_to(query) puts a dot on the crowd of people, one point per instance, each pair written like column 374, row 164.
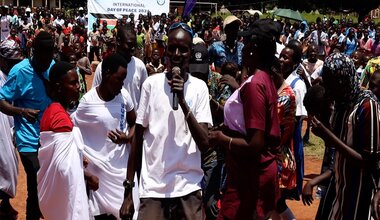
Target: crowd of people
column 187, row 117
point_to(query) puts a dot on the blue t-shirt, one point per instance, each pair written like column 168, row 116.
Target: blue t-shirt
column 26, row 90
column 219, row 53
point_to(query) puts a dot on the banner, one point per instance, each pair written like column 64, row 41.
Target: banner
column 189, row 5
column 114, row 9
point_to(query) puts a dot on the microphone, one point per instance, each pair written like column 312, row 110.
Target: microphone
column 176, row 70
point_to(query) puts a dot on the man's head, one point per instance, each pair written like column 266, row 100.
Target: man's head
column 28, row 11
column 43, row 51
column 231, row 26
column 180, row 38
column 357, row 57
column 126, row 41
column 10, row 55
column 156, row 55
column 63, row 83
column 312, row 53
column 4, row 10
column 315, row 100
column 78, row 49
column 114, row 71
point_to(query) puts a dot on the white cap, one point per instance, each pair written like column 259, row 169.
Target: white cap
column 197, row 40
column 80, row 9
column 28, row 10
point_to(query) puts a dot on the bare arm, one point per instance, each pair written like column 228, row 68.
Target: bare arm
column 134, row 161
column 131, row 119
column 328, row 136
column 307, row 192
column 30, row 114
column 241, row 147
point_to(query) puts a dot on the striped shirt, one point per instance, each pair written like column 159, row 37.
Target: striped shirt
column 355, row 185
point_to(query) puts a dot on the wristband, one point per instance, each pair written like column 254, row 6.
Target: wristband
column 188, row 115
column 128, row 185
column 229, row 144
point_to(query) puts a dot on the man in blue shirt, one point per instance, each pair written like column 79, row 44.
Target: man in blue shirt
column 229, row 50
column 24, row 97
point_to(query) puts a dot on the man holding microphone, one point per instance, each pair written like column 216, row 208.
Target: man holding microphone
column 168, row 144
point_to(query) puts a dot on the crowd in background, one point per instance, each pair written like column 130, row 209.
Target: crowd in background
column 267, row 81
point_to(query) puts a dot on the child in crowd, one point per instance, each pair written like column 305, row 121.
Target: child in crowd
column 317, row 104
column 155, row 66
column 312, row 64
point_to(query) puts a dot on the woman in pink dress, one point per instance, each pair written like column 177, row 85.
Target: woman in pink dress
column 252, row 136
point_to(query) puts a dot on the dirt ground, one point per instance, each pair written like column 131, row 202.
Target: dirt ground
column 312, row 168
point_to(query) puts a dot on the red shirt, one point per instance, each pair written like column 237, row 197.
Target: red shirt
column 55, row 118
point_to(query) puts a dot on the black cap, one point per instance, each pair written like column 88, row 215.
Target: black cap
column 199, row 59
column 264, row 27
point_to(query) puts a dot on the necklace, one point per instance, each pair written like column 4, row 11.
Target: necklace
column 231, row 49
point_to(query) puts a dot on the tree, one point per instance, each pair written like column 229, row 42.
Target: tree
column 362, row 7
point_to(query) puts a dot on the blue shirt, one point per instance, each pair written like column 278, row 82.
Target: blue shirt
column 26, row 90
column 219, row 53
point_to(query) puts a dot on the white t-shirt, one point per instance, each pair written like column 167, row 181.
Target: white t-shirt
column 299, row 92
column 136, row 75
column 5, row 29
column 171, row 163
column 107, row 160
column 59, row 22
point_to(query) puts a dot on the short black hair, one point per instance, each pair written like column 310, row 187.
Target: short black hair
column 314, row 98
column 112, row 63
column 230, row 68
column 43, row 41
column 295, row 45
column 123, row 31
column 58, row 70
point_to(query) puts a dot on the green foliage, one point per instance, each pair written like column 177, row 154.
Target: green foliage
column 315, row 148
column 310, row 17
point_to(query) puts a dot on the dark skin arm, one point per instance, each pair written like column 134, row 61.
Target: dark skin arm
column 375, row 206
column 119, row 137
column 229, row 80
column 244, row 148
column 321, row 131
column 216, row 108
column 92, row 181
column 134, row 161
column 198, row 130
column 307, row 192
column 30, row 114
